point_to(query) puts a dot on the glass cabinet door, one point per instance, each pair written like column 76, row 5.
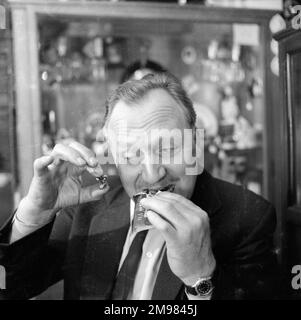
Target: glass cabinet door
column 83, row 60
column 294, row 119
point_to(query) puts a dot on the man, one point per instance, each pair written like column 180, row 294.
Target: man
column 209, row 239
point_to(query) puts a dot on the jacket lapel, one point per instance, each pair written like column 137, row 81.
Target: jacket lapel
column 205, row 195
column 107, row 234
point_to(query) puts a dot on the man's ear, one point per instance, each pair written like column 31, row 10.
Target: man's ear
column 198, row 148
column 104, row 146
column 101, row 135
column 102, row 141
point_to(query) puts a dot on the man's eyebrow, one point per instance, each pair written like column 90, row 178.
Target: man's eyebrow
column 128, row 144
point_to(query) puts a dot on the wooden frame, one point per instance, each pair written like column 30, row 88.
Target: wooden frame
column 290, row 44
column 24, row 23
column 285, row 191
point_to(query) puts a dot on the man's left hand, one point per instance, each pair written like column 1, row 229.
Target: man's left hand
column 185, row 228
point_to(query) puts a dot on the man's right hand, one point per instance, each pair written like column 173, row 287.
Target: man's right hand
column 57, row 183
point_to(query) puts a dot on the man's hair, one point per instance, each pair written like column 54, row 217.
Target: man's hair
column 133, row 91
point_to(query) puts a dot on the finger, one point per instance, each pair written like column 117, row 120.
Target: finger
column 92, row 193
column 186, row 207
column 40, row 165
column 176, row 198
column 185, row 212
column 56, row 163
column 85, row 152
column 69, row 154
column 96, row 172
column 165, row 209
column 101, row 135
column 167, row 230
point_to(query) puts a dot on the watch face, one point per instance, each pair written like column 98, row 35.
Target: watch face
column 204, row 287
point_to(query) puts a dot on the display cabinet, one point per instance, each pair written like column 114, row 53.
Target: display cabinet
column 288, row 173
column 69, row 55
column 8, row 169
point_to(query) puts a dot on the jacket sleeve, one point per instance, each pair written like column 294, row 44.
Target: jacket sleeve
column 34, row 263
column 252, row 271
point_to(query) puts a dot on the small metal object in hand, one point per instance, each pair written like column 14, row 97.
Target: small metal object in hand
column 103, row 181
column 140, row 218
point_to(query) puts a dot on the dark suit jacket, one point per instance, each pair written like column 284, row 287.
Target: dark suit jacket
column 83, row 246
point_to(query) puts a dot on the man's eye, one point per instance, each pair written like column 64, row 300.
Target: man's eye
column 132, row 155
column 129, row 156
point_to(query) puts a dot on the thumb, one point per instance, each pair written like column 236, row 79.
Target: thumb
column 41, row 164
column 92, row 193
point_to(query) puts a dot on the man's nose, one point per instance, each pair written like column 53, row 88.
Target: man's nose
column 152, row 173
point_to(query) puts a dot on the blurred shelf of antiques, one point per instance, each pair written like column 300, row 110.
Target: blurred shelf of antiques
column 69, row 55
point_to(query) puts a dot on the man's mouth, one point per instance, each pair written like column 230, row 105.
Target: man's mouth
column 153, row 191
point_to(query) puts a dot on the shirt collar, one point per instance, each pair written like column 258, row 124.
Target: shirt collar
column 132, row 207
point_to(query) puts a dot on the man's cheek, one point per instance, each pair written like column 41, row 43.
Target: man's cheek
column 127, row 174
column 193, row 161
column 125, row 180
column 122, row 169
column 175, row 173
column 178, row 158
column 117, row 157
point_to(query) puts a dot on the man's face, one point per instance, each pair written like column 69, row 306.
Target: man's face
column 150, row 149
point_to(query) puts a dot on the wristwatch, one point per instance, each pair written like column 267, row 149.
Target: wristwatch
column 202, row 288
